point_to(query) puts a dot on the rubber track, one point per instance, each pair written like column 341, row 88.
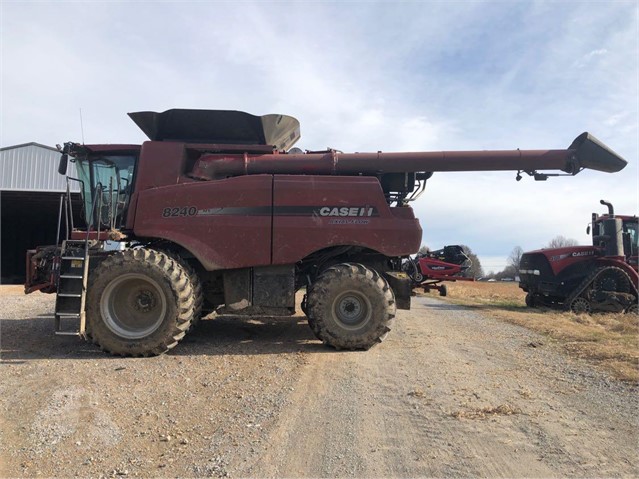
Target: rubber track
column 590, row 279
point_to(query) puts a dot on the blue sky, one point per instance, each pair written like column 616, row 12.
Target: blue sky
column 359, row 77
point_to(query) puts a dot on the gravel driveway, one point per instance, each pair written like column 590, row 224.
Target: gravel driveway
column 449, row 393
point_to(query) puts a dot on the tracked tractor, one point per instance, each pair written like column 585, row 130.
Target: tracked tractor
column 583, row 279
column 218, row 212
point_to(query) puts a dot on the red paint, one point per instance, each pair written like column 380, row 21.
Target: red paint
column 294, row 237
column 217, row 241
column 433, row 268
column 561, row 258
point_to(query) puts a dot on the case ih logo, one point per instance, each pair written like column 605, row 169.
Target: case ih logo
column 583, row 253
column 347, row 211
column 574, row 254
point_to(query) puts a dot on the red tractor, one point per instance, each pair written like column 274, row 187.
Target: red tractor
column 583, row 279
column 218, row 213
column 430, row 269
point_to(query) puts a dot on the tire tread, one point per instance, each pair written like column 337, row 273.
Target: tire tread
column 180, row 282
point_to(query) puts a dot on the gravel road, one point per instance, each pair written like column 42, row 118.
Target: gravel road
column 449, row 393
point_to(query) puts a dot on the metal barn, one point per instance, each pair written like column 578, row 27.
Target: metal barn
column 30, row 189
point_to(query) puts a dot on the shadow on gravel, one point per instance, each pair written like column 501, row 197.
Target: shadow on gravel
column 33, row 338
column 238, row 335
column 444, row 306
column 500, row 307
column 22, row 340
column 476, row 307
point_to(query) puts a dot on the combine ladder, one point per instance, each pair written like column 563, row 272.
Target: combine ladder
column 72, row 289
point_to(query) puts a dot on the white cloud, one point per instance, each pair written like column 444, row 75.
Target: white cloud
column 589, row 56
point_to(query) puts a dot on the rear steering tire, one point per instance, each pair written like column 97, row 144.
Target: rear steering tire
column 140, row 302
column 350, row 307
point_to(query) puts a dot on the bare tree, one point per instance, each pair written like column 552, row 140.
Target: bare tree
column 515, row 258
column 561, row 242
column 475, row 271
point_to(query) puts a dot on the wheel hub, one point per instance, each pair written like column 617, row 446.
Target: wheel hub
column 133, row 306
column 145, row 301
column 580, row 306
column 608, row 284
column 352, row 309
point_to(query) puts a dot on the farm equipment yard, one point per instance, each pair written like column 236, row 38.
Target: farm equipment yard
column 455, row 391
column 218, row 217
column 362, row 240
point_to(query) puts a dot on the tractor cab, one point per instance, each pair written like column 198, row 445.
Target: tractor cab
column 618, row 235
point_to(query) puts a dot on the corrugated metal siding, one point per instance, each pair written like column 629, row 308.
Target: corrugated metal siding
column 33, row 167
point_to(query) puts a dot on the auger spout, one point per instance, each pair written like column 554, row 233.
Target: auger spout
column 585, row 152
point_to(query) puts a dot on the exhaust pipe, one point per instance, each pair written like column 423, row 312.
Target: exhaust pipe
column 611, row 210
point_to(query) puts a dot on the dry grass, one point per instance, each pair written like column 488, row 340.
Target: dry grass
column 481, row 413
column 11, row 289
column 610, row 340
column 417, row 393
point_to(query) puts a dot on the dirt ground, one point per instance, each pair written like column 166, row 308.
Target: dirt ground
column 452, row 392
column 610, row 341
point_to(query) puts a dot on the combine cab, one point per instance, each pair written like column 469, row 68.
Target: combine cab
column 602, row 277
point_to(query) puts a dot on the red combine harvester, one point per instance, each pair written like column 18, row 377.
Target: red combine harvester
column 602, row 277
column 217, row 213
column 428, row 270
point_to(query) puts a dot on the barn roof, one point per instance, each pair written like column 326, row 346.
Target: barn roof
column 33, row 167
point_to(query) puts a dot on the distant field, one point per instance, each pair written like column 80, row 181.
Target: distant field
column 610, row 340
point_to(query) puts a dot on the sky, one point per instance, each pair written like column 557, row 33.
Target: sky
column 360, row 76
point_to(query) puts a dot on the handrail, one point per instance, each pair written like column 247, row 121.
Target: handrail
column 69, row 209
column 57, row 235
column 70, row 204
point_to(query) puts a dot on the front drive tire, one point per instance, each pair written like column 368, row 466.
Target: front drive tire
column 196, row 284
column 140, row 302
column 350, row 307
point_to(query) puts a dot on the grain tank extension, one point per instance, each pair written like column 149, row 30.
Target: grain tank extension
column 217, row 212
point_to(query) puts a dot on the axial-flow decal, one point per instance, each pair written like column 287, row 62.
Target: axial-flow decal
column 316, row 211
